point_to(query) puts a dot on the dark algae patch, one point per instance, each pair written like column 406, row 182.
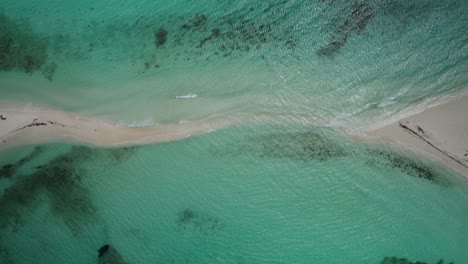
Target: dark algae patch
column 196, row 221
column 20, row 48
column 61, row 184
column 356, row 21
column 357, row 15
column 10, row 170
column 396, row 260
column 406, row 164
column 295, row 145
column 48, row 71
column 160, row 37
column 60, row 181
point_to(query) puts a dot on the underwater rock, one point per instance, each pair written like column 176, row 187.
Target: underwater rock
column 102, row 250
column 109, row 255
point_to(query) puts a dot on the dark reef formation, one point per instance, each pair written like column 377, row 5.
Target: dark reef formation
column 9, row 170
column 22, row 49
column 60, row 180
column 406, row 164
column 267, row 28
column 49, row 70
column 395, row 260
column 160, row 37
column 237, row 32
column 199, row 222
column 360, row 16
column 295, row 145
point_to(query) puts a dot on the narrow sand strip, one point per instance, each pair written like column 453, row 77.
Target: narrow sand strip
column 21, row 125
column 439, row 132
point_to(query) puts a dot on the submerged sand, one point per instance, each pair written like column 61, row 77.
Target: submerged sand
column 440, row 132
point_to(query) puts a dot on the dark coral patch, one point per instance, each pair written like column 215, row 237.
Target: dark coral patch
column 20, row 48
column 196, row 23
column 10, row 170
column 301, row 145
column 396, row 260
column 61, row 181
column 109, row 255
column 102, row 250
column 357, row 20
column 199, row 222
column 160, row 37
column 405, row 164
column 48, row 71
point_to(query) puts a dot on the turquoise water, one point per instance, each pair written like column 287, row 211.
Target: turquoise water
column 242, row 195
column 332, row 61
column 257, row 193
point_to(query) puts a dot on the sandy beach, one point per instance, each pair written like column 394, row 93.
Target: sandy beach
column 440, row 133
column 22, row 124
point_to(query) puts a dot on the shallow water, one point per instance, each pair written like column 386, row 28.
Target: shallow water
column 242, row 195
column 257, row 193
column 337, row 62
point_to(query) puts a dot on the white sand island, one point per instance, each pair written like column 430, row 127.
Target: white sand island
column 440, row 132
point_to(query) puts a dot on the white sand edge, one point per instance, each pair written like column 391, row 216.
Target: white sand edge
column 440, row 133
column 22, row 125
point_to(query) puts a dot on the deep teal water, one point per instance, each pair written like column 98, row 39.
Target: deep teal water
column 258, row 193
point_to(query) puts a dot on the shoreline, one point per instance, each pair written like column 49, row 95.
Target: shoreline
column 21, row 124
column 440, row 133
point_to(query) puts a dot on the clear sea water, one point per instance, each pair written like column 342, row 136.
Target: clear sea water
column 266, row 192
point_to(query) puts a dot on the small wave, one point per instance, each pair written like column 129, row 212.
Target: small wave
column 387, row 101
column 187, row 96
column 144, row 123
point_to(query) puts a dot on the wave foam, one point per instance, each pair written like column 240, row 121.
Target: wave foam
column 187, row 96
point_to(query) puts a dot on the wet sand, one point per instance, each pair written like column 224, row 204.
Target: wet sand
column 440, row 132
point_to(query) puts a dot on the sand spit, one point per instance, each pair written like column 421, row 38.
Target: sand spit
column 21, row 124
